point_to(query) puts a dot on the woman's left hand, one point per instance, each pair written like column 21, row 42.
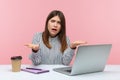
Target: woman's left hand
column 76, row 43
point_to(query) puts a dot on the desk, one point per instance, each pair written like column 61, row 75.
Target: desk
column 111, row 72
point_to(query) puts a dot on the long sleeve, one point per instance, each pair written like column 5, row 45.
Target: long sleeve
column 35, row 56
column 53, row 55
column 68, row 54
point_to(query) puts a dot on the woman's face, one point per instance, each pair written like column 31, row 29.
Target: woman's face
column 54, row 26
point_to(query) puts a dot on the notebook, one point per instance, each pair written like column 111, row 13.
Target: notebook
column 89, row 59
column 34, row 70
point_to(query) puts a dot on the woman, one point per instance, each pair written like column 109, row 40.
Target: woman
column 52, row 46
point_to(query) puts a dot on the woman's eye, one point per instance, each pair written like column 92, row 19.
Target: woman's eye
column 52, row 20
column 58, row 22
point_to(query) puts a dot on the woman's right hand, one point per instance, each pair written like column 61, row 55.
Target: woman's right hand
column 33, row 46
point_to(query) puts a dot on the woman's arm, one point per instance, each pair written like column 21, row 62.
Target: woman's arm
column 68, row 54
column 35, row 56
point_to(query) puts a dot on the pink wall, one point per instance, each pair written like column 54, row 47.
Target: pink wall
column 96, row 21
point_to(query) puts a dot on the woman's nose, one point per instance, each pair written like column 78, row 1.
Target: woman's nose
column 55, row 24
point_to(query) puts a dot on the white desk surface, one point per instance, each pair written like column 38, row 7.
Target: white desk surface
column 111, row 72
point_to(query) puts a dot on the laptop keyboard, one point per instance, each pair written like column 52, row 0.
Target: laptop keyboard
column 68, row 70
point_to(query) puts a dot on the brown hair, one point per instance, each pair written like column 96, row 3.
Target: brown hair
column 61, row 34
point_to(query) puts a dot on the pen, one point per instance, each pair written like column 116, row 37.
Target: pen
column 33, row 68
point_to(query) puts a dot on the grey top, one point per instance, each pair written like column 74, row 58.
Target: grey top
column 53, row 55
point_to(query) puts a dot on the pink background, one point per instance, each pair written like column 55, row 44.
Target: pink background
column 96, row 21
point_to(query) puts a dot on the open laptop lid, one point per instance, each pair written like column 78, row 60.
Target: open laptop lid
column 90, row 58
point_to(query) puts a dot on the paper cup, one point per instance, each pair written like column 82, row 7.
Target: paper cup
column 16, row 63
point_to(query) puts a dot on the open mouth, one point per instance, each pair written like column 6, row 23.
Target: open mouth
column 54, row 29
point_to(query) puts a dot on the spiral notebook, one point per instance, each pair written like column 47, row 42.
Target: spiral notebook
column 34, row 70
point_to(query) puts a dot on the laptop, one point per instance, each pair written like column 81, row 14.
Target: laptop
column 88, row 59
